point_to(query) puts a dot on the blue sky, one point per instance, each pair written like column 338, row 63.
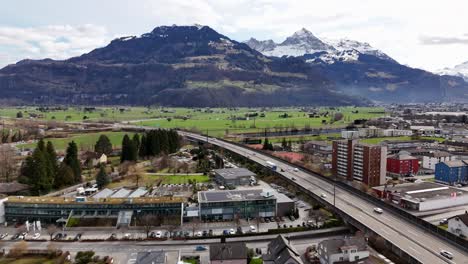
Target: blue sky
column 420, row 33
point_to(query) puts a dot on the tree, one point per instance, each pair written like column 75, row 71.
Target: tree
column 71, row 159
column 102, row 179
column 142, row 151
column 84, row 257
column 7, row 163
column 103, row 145
column 51, row 157
column 149, row 221
column 129, row 150
column 136, row 141
column 36, row 172
column 19, row 114
column 64, row 177
column 284, row 144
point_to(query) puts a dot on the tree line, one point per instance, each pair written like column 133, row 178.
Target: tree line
column 43, row 172
column 152, row 143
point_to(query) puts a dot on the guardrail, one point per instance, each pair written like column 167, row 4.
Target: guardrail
column 441, row 233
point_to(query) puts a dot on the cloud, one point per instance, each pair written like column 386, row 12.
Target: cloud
column 55, row 41
column 436, row 40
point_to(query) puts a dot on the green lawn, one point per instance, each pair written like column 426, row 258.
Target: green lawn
column 256, row 261
column 403, row 138
column 84, row 141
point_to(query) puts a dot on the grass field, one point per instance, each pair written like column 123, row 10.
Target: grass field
column 84, row 141
column 403, row 138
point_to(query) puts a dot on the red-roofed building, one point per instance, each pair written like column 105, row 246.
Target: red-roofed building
column 402, row 164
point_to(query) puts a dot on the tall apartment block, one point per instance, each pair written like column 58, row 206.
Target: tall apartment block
column 361, row 162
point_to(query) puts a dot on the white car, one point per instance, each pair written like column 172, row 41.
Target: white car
column 296, row 169
column 446, row 254
column 232, row 231
column 199, row 234
column 158, row 234
column 323, row 195
column 36, row 236
column 253, row 229
column 378, row 210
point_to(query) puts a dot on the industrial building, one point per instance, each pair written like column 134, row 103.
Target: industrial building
column 423, row 196
column 234, row 176
column 225, row 205
column 361, row 162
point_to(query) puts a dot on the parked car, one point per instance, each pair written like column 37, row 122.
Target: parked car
column 199, row 234
column 58, row 236
column 36, row 236
column 443, row 221
column 225, row 232
column 232, row 231
column 166, row 234
column 323, row 195
column 253, row 229
column 200, row 248
column 113, row 236
column 239, row 230
column 158, row 234
column 2, row 236
column 446, row 254
column 205, row 233
column 210, row 232
column 378, row 210
column 77, row 237
column 152, row 235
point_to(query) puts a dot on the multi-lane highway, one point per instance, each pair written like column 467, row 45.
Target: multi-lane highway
column 410, row 238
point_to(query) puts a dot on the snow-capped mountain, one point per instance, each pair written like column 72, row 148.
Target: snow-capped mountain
column 304, row 42
column 460, row 70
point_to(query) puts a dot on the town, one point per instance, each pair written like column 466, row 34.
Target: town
column 150, row 184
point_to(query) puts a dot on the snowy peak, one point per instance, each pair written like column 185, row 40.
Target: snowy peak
column 460, row 70
column 305, row 42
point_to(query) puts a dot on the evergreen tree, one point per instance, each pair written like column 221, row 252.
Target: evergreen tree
column 51, row 156
column 142, row 151
column 103, row 145
column 284, row 144
column 71, row 159
column 136, row 140
column 64, row 177
column 289, row 145
column 41, row 145
column 266, row 144
column 102, row 179
column 125, row 155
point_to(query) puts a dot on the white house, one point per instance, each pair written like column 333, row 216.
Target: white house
column 458, row 225
column 431, row 159
column 396, row 132
column 351, row 249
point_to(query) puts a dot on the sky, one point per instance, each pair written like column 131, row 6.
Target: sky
column 426, row 34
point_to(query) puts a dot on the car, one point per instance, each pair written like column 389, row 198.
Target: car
column 446, row 254
column 199, row 234
column 200, row 248
column 36, row 236
column 253, row 229
column 294, row 179
column 113, row 236
column 158, row 234
column 2, row 236
column 378, row 210
column 232, row 231
column 152, row 235
column 323, row 195
column 443, row 221
column 239, row 230
column 292, row 218
column 15, row 236
column 267, row 220
column 282, row 170
column 296, row 169
column 166, row 234
column 225, row 232
column 210, row 232
column 58, row 236
column 77, row 237
column 205, row 233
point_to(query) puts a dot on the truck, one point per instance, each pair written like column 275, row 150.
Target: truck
column 271, row 165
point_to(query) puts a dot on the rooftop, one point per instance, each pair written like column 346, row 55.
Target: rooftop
column 92, row 200
column 402, row 155
column 456, row 163
column 228, row 251
column 336, row 245
column 234, row 173
column 422, row 191
column 233, row 195
column 462, row 217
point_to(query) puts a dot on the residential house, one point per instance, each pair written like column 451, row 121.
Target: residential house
column 343, row 250
column 430, row 159
column 458, row 225
column 280, row 251
column 228, row 253
column 452, row 172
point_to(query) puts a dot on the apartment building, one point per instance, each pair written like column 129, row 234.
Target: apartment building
column 361, row 162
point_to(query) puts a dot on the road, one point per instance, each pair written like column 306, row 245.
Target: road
column 412, row 239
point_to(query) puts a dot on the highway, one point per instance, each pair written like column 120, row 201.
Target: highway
column 412, row 239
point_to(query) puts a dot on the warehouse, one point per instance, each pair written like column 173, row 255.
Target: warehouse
column 423, row 196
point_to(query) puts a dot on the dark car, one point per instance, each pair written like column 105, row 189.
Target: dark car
column 113, row 236
column 225, row 232
column 152, row 235
column 77, row 237
column 58, row 236
column 239, row 230
column 210, row 232
column 205, row 233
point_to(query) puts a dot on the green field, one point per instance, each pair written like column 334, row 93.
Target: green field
column 84, row 141
column 403, row 138
column 148, row 180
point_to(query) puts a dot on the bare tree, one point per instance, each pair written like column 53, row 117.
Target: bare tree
column 8, row 168
column 195, row 224
column 51, row 229
column 148, row 221
column 317, row 215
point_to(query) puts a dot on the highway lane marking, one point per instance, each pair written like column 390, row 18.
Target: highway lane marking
column 410, row 247
column 411, row 232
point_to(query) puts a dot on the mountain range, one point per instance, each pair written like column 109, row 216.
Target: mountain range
column 197, row 66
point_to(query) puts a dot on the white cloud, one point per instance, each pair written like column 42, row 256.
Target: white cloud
column 57, row 42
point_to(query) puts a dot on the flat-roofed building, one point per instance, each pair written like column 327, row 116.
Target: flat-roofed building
column 224, row 205
column 50, row 209
column 423, row 196
column 234, row 176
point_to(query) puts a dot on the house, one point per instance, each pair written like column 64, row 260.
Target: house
column 458, row 225
column 342, row 250
column 321, row 148
column 452, row 172
column 93, row 158
column 228, row 253
column 280, row 251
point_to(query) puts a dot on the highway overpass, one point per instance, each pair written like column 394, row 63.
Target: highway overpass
column 417, row 244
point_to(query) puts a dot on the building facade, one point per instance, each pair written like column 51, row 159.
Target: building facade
column 361, row 162
column 430, row 160
column 458, row 225
column 346, row 250
column 452, row 172
column 402, row 164
column 227, row 205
